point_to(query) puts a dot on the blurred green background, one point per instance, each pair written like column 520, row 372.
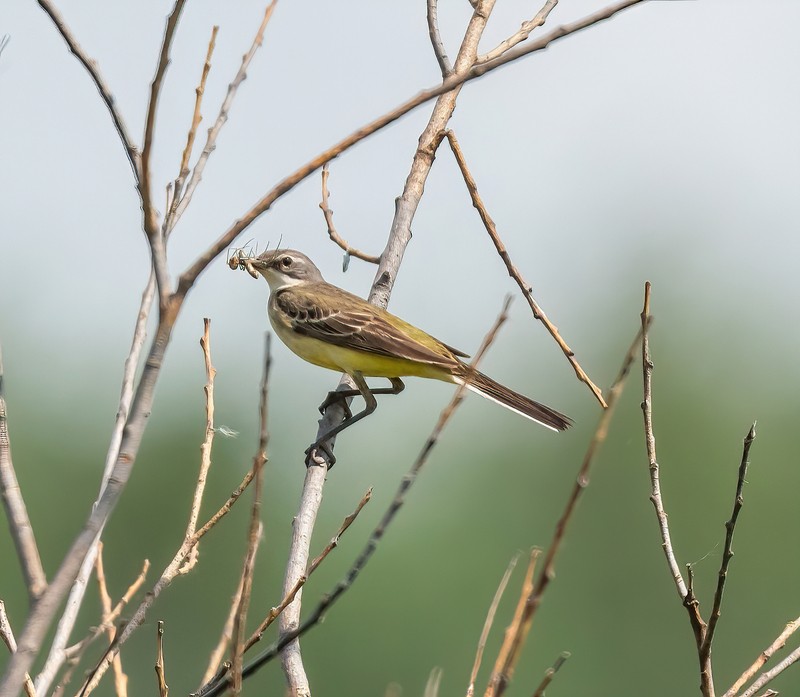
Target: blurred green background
column 660, row 146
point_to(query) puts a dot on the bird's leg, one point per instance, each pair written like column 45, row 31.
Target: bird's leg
column 340, row 395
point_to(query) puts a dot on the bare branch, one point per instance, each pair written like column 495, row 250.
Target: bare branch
column 358, row 565
column 768, row 676
column 211, row 140
column 727, row 552
column 436, row 39
column 332, row 233
column 487, row 625
column 254, row 534
column 19, row 523
column 526, row 289
column 131, row 151
column 765, row 655
column 197, row 117
column 312, row 567
column 120, row 679
column 686, row 595
column 163, row 688
column 57, row 654
column 7, row 636
column 524, row 32
column 550, row 673
column 517, row 633
column 397, row 243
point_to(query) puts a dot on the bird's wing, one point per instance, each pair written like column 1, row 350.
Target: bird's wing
column 317, row 313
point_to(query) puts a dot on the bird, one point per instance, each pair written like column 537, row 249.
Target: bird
column 333, row 328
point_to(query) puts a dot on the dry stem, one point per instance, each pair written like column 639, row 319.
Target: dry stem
column 7, row 636
column 16, row 512
column 332, row 233
column 526, row 289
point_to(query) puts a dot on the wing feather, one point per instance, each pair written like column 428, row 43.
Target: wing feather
column 317, row 313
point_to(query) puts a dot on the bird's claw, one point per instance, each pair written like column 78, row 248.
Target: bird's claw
column 313, row 458
column 336, row 398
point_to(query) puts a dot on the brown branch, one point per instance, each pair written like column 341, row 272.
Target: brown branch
column 197, row 117
column 163, row 688
column 686, row 595
column 526, row 289
column 487, row 625
column 19, row 523
column 727, row 552
column 120, row 679
column 332, row 233
column 182, row 202
column 763, row 657
column 254, row 533
column 312, row 567
column 770, row 675
column 7, row 636
column 504, row 669
column 375, row 537
column 524, row 32
column 436, row 38
column 550, row 673
column 179, row 563
column 413, row 188
column 131, row 151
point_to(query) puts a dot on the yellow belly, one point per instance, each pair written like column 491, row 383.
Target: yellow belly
column 346, row 360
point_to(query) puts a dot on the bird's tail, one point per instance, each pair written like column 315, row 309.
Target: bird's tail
column 490, row 389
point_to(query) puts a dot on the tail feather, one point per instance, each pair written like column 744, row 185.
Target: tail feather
column 493, row 390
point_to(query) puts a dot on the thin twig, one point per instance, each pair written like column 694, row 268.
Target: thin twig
column 433, row 683
column 487, row 625
column 763, row 657
column 436, row 39
column 19, row 523
column 524, row 32
column 332, row 233
column 769, row 675
column 377, row 534
column 312, row 567
column 131, row 151
column 504, row 669
column 57, row 654
column 163, row 688
column 215, row 662
column 192, row 537
column 727, row 552
column 550, row 673
column 255, row 530
column 451, row 84
column 526, row 289
column 211, row 139
column 120, row 679
column 7, row 636
column 197, row 117
column 687, row 598
column 206, row 447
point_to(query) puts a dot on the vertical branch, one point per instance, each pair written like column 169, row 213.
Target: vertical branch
column 685, row 593
column 254, row 535
column 727, row 553
column 17, row 513
column 519, row 628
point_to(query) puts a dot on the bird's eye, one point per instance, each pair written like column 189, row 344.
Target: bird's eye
column 286, row 262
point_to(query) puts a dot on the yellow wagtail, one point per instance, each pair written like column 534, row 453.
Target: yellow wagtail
column 332, row 328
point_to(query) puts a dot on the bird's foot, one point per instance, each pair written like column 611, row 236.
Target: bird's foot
column 314, row 458
column 336, row 397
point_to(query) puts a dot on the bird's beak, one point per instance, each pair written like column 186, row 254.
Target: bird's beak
column 250, row 264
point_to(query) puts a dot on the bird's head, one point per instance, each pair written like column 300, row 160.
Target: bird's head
column 285, row 267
